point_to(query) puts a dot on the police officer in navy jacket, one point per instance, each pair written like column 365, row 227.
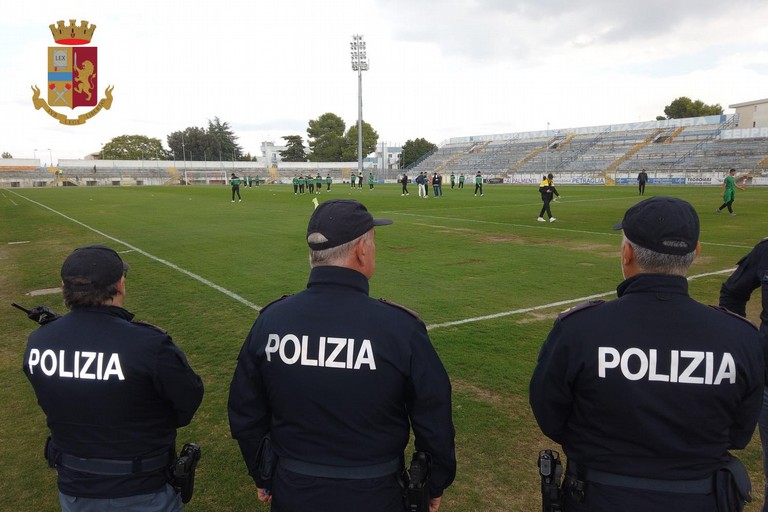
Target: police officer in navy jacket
column 114, row 391
column 648, row 392
column 337, row 379
column 751, row 274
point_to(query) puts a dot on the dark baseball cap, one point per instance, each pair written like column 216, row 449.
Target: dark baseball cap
column 92, row 267
column 341, row 221
column 667, row 225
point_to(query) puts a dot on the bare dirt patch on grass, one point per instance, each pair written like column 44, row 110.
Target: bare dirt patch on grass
column 500, row 239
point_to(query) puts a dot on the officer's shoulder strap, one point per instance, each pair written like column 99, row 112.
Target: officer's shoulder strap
column 400, row 306
column 735, row 315
column 263, row 308
column 149, row 325
column 579, row 307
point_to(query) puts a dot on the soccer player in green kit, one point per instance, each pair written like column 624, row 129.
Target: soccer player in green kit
column 235, row 182
column 478, row 183
column 729, row 192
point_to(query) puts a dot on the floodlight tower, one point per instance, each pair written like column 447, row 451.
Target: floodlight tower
column 359, row 64
column 184, row 156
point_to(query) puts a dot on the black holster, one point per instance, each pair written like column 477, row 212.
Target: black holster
column 732, row 486
column 416, row 492
column 551, row 471
column 266, row 461
column 49, row 453
column 182, row 471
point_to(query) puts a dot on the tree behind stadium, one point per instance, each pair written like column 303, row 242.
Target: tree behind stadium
column 413, row 150
column 329, row 143
column 294, row 149
column 217, row 142
column 133, row 147
column 685, row 107
column 325, row 136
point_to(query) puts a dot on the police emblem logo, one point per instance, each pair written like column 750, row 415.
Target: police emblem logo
column 72, row 74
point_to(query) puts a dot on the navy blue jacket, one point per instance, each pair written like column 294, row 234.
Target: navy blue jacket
column 751, row 274
column 110, row 389
column 652, row 384
column 338, row 378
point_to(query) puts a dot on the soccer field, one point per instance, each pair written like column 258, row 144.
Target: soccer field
column 486, row 278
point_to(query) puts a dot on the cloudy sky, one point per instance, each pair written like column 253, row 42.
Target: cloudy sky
column 438, row 68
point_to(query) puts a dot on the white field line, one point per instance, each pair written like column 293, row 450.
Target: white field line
column 554, row 304
column 11, row 200
column 152, row 257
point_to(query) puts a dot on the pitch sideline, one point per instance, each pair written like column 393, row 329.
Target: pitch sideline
column 184, row 271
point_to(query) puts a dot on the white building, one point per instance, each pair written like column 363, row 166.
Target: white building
column 752, row 114
column 272, row 153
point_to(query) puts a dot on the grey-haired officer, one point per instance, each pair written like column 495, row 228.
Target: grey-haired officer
column 114, row 391
column 337, row 378
column 649, row 392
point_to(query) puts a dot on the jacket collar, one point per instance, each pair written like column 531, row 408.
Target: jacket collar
column 654, row 283
column 338, row 276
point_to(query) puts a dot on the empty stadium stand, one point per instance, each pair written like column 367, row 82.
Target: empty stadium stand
column 680, row 147
column 703, row 146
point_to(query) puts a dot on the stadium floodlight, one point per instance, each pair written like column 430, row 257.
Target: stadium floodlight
column 184, row 157
column 359, row 64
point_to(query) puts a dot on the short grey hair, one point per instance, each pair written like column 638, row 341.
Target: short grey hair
column 333, row 256
column 659, row 263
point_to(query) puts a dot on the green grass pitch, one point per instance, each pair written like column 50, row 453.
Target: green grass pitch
column 486, row 278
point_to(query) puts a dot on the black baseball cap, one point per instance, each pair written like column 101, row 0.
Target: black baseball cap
column 667, row 225
column 92, row 267
column 341, row 221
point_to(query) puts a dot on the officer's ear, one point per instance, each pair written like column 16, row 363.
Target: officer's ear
column 362, row 246
column 357, row 252
column 627, row 254
column 121, row 286
column 628, row 262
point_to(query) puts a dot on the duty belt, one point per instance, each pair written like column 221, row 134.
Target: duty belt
column 698, row 486
column 342, row 472
column 114, row 467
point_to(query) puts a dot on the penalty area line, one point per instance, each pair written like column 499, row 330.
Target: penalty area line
column 184, row 271
column 14, row 203
column 553, row 304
